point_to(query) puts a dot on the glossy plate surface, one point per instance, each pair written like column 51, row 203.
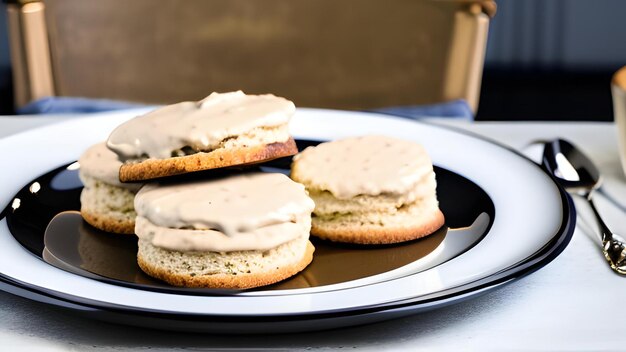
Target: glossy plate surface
column 532, row 224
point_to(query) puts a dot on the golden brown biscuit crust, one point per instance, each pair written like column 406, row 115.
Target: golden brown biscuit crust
column 376, row 234
column 108, row 223
column 226, row 281
column 223, row 157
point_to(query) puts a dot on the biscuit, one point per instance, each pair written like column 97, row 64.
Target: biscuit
column 232, row 270
column 108, row 208
column 239, row 231
column 105, row 203
column 222, row 130
column 408, row 223
column 370, row 190
column 224, row 157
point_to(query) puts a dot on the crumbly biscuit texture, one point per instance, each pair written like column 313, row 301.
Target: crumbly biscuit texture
column 231, row 270
column 107, row 207
column 407, row 223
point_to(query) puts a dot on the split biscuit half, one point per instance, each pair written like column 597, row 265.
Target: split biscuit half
column 134, row 171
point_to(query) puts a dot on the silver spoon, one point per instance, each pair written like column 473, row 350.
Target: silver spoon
column 577, row 173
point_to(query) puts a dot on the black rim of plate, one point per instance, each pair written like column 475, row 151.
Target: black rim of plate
column 552, row 249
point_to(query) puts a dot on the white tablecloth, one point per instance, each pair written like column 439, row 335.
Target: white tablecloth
column 574, row 303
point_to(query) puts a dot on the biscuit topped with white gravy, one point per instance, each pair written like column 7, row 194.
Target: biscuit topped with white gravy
column 370, row 190
column 239, row 231
column 222, row 130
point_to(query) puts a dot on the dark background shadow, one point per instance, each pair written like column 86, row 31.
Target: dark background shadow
column 553, row 60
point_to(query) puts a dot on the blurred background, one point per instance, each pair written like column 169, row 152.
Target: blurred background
column 553, row 60
column 545, row 60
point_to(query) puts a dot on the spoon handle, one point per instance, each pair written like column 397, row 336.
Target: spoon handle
column 613, row 246
column 607, row 235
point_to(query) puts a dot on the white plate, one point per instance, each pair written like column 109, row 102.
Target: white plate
column 531, row 211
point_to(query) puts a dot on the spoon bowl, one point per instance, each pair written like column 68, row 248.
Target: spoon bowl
column 573, row 169
column 579, row 175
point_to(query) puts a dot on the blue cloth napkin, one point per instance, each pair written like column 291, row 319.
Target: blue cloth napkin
column 69, row 105
column 64, row 105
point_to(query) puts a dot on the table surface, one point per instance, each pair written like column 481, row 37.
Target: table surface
column 573, row 303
